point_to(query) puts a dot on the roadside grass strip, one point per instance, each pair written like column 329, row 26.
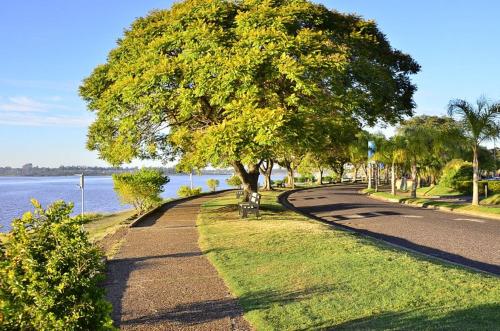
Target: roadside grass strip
column 293, row 273
column 481, row 210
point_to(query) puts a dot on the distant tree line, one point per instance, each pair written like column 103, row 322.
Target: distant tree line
column 30, row 170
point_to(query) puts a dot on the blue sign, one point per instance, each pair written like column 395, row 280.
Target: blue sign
column 371, row 148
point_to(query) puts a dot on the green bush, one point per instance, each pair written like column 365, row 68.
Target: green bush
column 277, row 182
column 140, row 189
column 456, row 171
column 234, row 181
column 212, row 184
column 327, row 179
column 50, row 274
column 465, row 187
column 493, row 186
column 185, row 191
column 305, row 179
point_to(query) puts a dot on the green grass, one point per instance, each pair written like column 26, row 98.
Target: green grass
column 437, row 190
column 99, row 226
column 466, row 208
column 291, row 273
column 492, row 200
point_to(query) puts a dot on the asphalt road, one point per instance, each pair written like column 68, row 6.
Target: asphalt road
column 467, row 240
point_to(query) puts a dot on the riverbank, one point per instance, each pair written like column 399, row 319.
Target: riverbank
column 290, row 272
column 100, row 197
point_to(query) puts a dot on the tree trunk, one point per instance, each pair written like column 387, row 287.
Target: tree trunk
column 291, row 178
column 249, row 178
column 475, row 177
column 320, row 179
column 266, row 169
column 376, row 176
column 413, row 192
column 369, row 175
column 393, row 178
column 355, row 174
column 363, row 167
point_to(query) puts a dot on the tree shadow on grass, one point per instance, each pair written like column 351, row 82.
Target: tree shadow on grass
column 480, row 317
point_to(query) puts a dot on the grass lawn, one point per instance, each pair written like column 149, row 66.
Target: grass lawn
column 291, row 273
column 492, row 200
column 101, row 225
column 437, row 190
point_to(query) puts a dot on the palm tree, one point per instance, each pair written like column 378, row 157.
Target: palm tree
column 422, row 140
column 417, row 141
column 480, row 123
column 397, row 156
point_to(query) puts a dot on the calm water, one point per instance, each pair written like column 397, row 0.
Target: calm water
column 16, row 192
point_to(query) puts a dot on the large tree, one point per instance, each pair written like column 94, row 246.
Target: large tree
column 480, row 123
column 223, row 82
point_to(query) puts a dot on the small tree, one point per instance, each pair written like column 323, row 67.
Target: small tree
column 213, row 184
column 50, row 274
column 185, row 191
column 141, row 189
column 234, row 181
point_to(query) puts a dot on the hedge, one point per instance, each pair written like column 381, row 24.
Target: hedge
column 465, row 186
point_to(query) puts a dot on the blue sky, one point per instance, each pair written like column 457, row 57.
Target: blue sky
column 48, row 47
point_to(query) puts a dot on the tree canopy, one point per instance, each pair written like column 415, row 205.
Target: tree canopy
column 224, row 82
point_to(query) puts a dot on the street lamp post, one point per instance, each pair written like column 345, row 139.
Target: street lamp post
column 82, row 188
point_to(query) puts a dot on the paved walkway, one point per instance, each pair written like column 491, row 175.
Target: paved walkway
column 467, row 240
column 160, row 280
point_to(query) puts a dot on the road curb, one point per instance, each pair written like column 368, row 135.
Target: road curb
column 283, row 200
column 426, row 206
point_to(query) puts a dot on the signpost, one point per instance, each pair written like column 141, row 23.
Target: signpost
column 371, row 152
column 82, row 188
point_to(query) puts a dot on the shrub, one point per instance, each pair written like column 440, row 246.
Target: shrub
column 185, row 191
column 212, row 184
column 456, row 171
column 141, row 189
column 50, row 274
column 305, row 178
column 327, row 179
column 465, row 186
column 234, row 181
column 277, row 182
column 493, row 186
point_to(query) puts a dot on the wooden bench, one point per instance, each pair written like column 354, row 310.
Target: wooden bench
column 239, row 193
column 252, row 206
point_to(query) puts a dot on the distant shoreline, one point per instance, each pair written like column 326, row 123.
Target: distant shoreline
column 109, row 174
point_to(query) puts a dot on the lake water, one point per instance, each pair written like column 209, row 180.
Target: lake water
column 16, row 193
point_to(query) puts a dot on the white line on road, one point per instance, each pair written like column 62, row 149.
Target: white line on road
column 412, row 216
column 469, row 220
column 354, row 216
